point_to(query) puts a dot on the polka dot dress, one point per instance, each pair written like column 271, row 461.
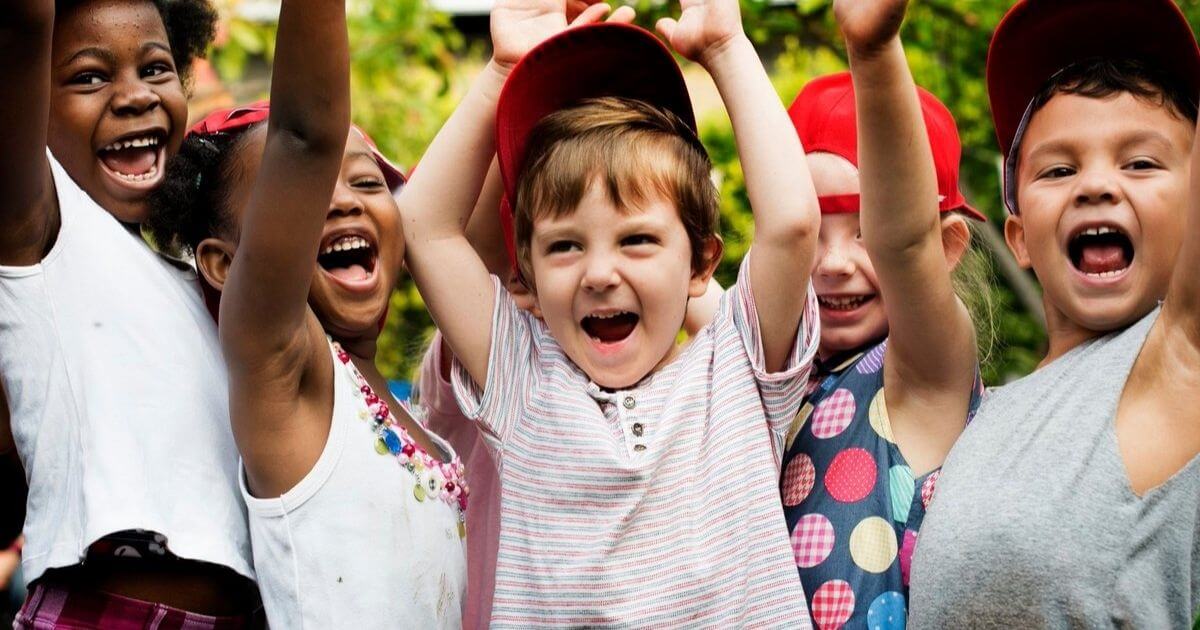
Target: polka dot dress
column 852, row 503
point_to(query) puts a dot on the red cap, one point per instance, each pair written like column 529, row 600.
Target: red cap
column 1038, row 38
column 235, row 119
column 824, row 116
column 603, row 59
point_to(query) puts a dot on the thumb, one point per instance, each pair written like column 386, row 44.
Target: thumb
column 592, row 14
column 666, row 27
column 623, row 14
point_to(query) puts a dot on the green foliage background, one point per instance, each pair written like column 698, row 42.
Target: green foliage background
column 411, row 65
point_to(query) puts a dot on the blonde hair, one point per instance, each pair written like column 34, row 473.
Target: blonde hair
column 635, row 150
column 972, row 279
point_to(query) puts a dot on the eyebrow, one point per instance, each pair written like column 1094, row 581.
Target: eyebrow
column 108, row 57
column 1137, row 137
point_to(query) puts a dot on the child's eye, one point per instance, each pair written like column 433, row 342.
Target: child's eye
column 1141, row 164
column 638, row 239
column 87, row 78
column 368, row 183
column 157, row 69
column 1056, row 172
column 562, row 247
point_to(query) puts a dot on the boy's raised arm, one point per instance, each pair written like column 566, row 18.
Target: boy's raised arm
column 265, row 299
column 786, row 217
column 438, row 200
column 26, row 33
column 1183, row 294
column 901, row 223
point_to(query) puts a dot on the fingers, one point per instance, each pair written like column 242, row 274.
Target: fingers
column 591, row 15
column 624, row 15
column 666, row 27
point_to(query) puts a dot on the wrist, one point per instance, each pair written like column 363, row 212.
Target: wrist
column 724, row 55
column 869, row 53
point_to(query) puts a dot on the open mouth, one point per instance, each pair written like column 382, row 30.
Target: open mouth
column 348, row 257
column 843, row 303
column 610, row 327
column 1101, row 252
column 135, row 160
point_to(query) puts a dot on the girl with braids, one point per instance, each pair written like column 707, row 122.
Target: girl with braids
column 356, row 512
column 116, row 396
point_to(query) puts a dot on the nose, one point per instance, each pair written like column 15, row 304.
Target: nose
column 601, row 273
column 345, row 202
column 133, row 97
column 1098, row 186
column 833, row 261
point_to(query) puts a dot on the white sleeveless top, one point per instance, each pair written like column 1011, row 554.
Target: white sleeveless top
column 117, row 393
column 356, row 543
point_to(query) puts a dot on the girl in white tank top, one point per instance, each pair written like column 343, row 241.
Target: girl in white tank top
column 356, row 513
column 115, row 394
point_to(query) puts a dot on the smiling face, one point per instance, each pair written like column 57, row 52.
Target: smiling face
column 1102, row 190
column 612, row 284
column 843, row 277
column 362, row 246
column 117, row 107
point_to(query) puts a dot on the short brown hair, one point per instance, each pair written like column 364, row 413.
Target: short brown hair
column 635, row 149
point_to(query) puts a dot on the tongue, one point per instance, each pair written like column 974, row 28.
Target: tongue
column 353, row 273
column 1102, row 258
column 130, row 161
column 611, row 329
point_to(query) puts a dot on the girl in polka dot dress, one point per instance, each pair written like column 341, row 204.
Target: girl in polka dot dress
column 897, row 371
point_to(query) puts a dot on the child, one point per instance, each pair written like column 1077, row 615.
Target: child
column 108, row 359
column 637, row 477
column 897, row 376
column 356, row 513
column 1070, row 501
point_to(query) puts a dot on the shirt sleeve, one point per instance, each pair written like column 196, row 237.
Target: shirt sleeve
column 511, row 370
column 442, row 415
column 782, row 392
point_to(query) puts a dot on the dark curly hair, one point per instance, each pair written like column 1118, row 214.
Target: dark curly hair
column 191, row 26
column 192, row 202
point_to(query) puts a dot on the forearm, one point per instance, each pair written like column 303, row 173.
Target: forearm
column 310, row 84
column 1183, row 295
column 484, row 229
column 777, row 179
column 899, row 184
column 438, row 200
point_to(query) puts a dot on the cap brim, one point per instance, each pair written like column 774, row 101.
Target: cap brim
column 605, row 59
column 1038, row 38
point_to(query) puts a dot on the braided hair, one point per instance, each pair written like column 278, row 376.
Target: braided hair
column 192, row 202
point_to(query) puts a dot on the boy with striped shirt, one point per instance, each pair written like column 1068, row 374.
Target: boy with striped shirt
column 638, row 477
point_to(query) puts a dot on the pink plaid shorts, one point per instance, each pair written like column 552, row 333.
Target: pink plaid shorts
column 49, row 608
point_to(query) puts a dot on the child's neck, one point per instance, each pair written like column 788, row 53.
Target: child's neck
column 1065, row 334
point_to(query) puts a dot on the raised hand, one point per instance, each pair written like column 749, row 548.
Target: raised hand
column 520, row 25
column 704, row 28
column 868, row 25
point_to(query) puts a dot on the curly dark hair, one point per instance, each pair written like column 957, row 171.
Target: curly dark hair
column 192, row 202
column 191, row 26
column 1101, row 77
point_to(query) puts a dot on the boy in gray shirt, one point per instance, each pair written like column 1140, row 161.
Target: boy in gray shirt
column 1073, row 500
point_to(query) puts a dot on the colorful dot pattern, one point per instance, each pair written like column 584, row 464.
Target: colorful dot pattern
column 853, row 505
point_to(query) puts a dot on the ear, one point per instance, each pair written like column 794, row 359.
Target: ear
column 956, row 238
column 213, row 257
column 521, row 295
column 712, row 249
column 1014, row 235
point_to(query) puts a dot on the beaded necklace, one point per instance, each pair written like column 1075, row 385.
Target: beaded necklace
column 434, row 479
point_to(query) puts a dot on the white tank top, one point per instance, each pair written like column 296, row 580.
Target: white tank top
column 359, row 542
column 117, row 392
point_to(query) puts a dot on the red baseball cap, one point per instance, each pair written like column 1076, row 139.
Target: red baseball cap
column 824, row 116
column 1039, row 38
column 594, row 60
column 235, row 119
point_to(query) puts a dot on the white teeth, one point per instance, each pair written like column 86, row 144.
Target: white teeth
column 147, row 141
column 346, row 243
column 607, row 315
column 1107, row 274
column 1098, row 231
column 843, row 302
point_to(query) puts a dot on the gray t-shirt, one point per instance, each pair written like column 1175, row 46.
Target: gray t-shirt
column 1034, row 523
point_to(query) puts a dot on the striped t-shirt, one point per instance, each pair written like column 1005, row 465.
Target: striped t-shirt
column 653, row 506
